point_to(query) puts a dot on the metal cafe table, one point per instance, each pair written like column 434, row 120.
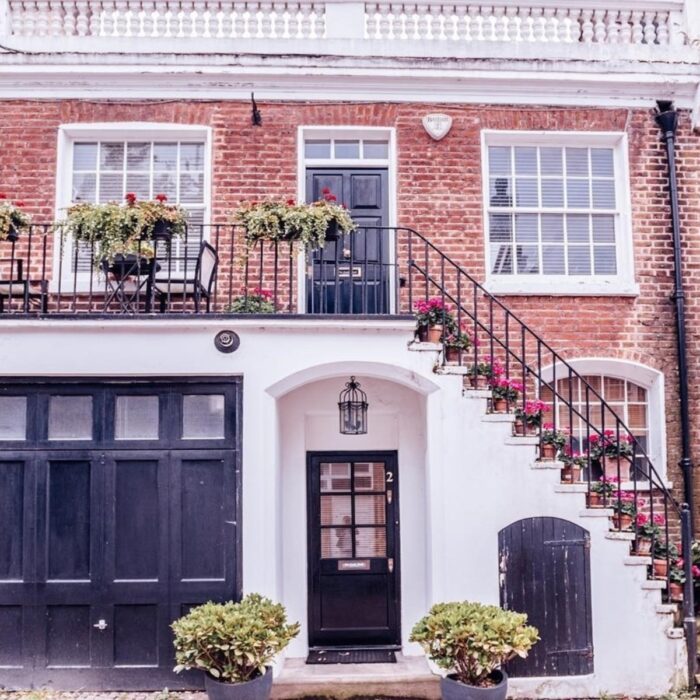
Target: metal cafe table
column 129, row 282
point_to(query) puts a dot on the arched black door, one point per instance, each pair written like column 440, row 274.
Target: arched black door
column 544, row 566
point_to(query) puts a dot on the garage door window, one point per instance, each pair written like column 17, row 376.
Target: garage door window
column 136, row 418
column 13, row 418
column 70, row 418
column 203, row 416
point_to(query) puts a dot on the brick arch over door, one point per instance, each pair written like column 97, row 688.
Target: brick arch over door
column 544, row 566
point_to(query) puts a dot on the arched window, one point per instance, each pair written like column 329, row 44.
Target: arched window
column 633, row 392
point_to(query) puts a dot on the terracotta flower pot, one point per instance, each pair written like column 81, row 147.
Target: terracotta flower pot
column 434, row 334
column 675, row 591
column 594, row 500
column 610, row 468
column 571, row 475
column 622, row 521
column 521, row 428
column 500, row 406
column 660, row 568
column 478, row 381
column 452, row 355
column 548, row 452
column 642, row 546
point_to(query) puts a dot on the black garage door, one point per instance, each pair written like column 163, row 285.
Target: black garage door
column 119, row 504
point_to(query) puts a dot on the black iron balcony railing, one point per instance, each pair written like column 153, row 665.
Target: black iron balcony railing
column 374, row 271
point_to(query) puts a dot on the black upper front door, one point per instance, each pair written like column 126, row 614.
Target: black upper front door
column 351, row 275
column 118, row 511
column 353, row 549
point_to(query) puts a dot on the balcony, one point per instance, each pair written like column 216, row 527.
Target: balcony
column 212, row 270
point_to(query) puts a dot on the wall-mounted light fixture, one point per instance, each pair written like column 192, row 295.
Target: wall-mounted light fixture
column 352, row 404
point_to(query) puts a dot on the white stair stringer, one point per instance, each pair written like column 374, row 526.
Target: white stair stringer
column 481, row 480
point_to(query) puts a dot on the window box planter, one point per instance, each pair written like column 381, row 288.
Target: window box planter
column 162, row 231
column 452, row 689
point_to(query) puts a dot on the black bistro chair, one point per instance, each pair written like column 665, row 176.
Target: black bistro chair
column 197, row 287
column 14, row 285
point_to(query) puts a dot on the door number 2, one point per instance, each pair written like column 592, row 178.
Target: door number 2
column 390, row 477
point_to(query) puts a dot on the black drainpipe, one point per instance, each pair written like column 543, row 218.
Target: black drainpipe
column 667, row 119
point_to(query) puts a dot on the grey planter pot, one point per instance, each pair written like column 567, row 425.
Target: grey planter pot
column 257, row 689
column 452, row 689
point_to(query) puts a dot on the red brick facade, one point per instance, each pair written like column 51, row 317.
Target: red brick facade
column 439, row 194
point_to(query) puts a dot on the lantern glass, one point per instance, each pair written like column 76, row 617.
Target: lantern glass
column 352, row 407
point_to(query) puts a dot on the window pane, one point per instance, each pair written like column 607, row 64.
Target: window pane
column 335, row 476
column 111, row 187
column 70, row 418
column 577, row 228
column 138, row 156
column 370, row 542
column 375, row 149
column 192, row 188
column 336, row 510
column 203, row 416
column 500, row 193
column 191, row 156
column 136, row 418
column 370, row 510
column 552, row 228
column 502, row 259
column 164, row 183
column 577, row 196
column 528, row 262
column 553, row 260
column 603, row 228
column 636, row 393
column 603, row 194
column 499, row 160
column 500, row 227
column 347, row 149
column 577, row 162
column 112, row 156
column 13, row 418
column 602, row 164
column 604, row 260
column 526, row 161
column 317, row 149
column 552, row 193
column 139, row 184
column 551, row 161
column 165, row 156
column 85, row 156
column 579, row 260
column 613, row 389
column 84, row 187
column 369, row 476
column 336, row 543
column 526, row 228
column 526, row 192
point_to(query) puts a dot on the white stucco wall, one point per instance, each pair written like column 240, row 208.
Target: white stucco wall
column 462, row 479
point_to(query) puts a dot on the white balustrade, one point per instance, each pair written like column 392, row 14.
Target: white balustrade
column 273, row 19
column 543, row 23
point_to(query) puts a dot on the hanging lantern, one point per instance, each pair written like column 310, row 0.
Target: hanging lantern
column 352, row 404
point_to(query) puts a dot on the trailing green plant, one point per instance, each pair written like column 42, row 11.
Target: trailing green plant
column 114, row 229
column 306, row 223
column 232, row 642
column 472, row 639
column 550, row 436
column 259, row 301
column 12, row 218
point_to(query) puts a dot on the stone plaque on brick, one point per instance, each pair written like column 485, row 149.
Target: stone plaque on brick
column 437, row 125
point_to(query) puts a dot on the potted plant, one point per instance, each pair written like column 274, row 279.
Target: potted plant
column 648, row 532
column 601, row 492
column 480, row 373
column 504, row 392
column 615, row 456
column 676, row 580
column 12, row 219
column 309, row 224
column 161, row 221
column 433, row 319
column 233, row 643
column 552, row 442
column 473, row 642
column 528, row 418
column 457, row 342
column 258, row 301
column 625, row 505
column 664, row 552
column 574, row 463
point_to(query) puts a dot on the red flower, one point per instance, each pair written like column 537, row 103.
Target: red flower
column 3, row 195
column 130, row 197
column 291, row 202
column 160, row 198
column 331, row 198
column 20, row 204
column 326, row 190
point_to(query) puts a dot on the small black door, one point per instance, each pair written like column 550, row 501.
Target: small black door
column 351, row 275
column 545, row 572
column 353, row 549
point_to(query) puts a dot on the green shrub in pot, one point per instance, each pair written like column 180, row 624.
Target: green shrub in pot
column 473, row 641
column 233, row 644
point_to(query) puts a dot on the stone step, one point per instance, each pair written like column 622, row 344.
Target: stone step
column 409, row 677
column 452, row 369
column 666, row 608
column 637, row 561
column 498, row 418
column 470, row 393
column 547, row 465
column 616, row 535
column 597, row 513
column 415, row 346
column 522, row 441
column 675, row 633
column 654, row 584
column 570, row 488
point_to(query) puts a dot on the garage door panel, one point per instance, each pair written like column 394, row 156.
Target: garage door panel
column 136, row 635
column 12, row 529
column 12, row 626
column 69, row 632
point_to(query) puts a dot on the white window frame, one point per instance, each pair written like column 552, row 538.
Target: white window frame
column 68, row 134
column 316, row 133
column 648, row 378
column 621, row 284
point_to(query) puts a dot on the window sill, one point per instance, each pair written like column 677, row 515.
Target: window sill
column 522, row 286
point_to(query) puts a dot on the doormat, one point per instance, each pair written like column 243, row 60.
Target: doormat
column 351, row 656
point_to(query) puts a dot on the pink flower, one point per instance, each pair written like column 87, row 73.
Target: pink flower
column 642, row 519
column 695, row 571
column 659, row 519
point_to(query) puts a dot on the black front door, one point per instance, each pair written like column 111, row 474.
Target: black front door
column 351, row 275
column 118, row 511
column 353, row 549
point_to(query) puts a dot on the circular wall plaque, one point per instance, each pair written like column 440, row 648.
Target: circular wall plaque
column 227, row 341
